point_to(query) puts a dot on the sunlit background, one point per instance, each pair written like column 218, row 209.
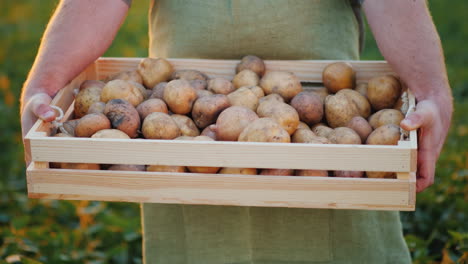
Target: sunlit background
column 45, row 231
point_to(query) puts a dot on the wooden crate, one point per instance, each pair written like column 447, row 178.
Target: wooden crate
column 215, row 189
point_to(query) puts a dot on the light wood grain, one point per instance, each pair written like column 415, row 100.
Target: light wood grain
column 275, row 191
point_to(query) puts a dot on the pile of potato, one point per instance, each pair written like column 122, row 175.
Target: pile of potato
column 157, row 102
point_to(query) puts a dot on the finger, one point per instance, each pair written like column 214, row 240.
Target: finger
column 426, row 165
column 40, row 107
column 423, row 116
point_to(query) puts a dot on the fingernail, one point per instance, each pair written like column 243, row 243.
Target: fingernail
column 48, row 115
column 406, row 123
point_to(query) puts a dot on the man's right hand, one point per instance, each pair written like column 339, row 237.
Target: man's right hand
column 37, row 106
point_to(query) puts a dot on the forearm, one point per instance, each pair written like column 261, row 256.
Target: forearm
column 78, row 33
column 407, row 38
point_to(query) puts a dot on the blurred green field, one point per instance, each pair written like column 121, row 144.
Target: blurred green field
column 44, row 231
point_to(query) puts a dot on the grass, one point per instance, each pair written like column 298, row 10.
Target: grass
column 47, row 231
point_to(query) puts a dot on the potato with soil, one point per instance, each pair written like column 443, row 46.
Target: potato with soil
column 252, row 63
column 381, row 175
column 203, row 93
column 264, row 130
column 97, row 108
column 206, row 109
column 90, row 124
column 243, row 171
column 120, row 89
column 383, row 92
column 362, row 104
column 127, row 76
column 80, row 166
column 309, row 106
column 210, row 131
column 362, row 89
column 158, row 91
column 154, row 71
column 257, row 90
column 123, row 116
column 189, row 75
column 245, row 78
column 385, row 117
column 285, row 84
column 164, row 168
column 186, row 125
column 312, row 173
column 198, row 85
column 110, row 133
column 344, row 135
column 232, row 121
column 243, row 97
column 126, row 167
column 220, row 86
column 338, row 76
column 90, row 93
column 349, row 174
column 321, row 130
column 277, row 172
column 160, row 126
column 203, row 169
column 302, row 136
column 303, row 125
column 150, row 106
column 360, row 126
column 339, row 110
column 384, row 135
column 322, row 92
column 68, row 127
column 179, row 96
column 284, row 114
column 271, row 97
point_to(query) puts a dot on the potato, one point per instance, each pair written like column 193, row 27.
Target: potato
column 120, row 89
column 303, row 125
column 210, row 131
column 380, row 174
column 184, row 138
column 383, row 92
column 252, row 63
column 158, row 91
column 264, row 130
column 150, row 106
column 232, row 121
column 203, row 169
column 360, row 126
column 321, row 130
column 257, row 90
column 285, row 84
column 272, row 97
column 110, row 133
column 361, row 102
column 154, row 71
column 68, row 127
column 349, row 174
column 384, row 135
column 277, row 172
column 322, row 92
column 164, row 168
column 313, row 173
column 127, row 76
column 126, row 167
column 123, row 116
column 385, row 117
column 90, row 93
column 243, row 97
column 189, row 75
column 339, row 75
column 309, row 107
column 206, row 109
column 362, row 89
column 79, row 166
column 186, row 125
column 344, row 135
column 179, row 96
column 160, row 126
column 198, row 84
column 339, row 110
column 282, row 113
column 203, row 93
column 244, row 171
column 245, row 78
column 90, row 124
column 302, row 135
column 220, row 86
column 97, row 108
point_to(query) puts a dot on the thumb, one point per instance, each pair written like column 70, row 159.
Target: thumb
column 421, row 117
column 40, row 107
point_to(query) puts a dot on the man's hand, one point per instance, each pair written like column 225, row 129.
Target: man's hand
column 36, row 107
column 408, row 40
column 433, row 122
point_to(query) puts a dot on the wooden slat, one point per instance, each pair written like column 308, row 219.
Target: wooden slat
column 306, row 70
column 222, row 154
column 275, row 191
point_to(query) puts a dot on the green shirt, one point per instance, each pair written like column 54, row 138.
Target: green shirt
column 271, row 29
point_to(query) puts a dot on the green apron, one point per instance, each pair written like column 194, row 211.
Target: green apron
column 271, row 29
